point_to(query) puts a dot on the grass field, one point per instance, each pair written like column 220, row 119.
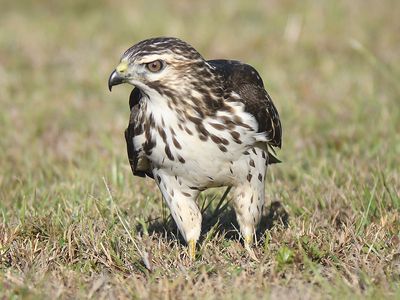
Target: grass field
column 75, row 223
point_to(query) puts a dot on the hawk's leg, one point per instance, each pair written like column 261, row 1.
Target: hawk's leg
column 249, row 196
column 181, row 201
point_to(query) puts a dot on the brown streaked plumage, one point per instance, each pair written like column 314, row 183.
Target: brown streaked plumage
column 197, row 124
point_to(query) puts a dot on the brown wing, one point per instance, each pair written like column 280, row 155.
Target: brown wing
column 246, row 81
column 138, row 165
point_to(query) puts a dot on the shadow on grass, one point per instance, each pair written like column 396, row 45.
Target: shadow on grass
column 225, row 223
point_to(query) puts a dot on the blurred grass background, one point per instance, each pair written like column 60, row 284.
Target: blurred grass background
column 332, row 68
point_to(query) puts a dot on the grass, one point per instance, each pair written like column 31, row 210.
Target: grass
column 75, row 223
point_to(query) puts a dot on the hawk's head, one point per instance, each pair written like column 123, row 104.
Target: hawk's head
column 161, row 64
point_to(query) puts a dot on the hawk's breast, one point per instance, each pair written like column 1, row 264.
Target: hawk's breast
column 200, row 150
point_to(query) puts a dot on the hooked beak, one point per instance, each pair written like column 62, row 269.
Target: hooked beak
column 115, row 79
column 118, row 76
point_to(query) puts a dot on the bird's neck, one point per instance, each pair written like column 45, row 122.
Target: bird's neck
column 159, row 109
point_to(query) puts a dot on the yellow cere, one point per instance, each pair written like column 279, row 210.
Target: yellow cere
column 122, row 67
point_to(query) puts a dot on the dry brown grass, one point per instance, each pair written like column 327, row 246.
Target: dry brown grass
column 332, row 230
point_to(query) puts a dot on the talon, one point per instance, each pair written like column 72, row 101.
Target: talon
column 192, row 249
column 248, row 240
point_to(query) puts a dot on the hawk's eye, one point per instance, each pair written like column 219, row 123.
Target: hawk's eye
column 154, row 66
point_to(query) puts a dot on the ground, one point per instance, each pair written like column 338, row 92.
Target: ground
column 75, row 223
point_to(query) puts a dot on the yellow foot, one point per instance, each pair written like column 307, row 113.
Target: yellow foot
column 192, row 249
column 248, row 240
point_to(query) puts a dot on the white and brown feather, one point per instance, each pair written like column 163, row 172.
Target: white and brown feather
column 211, row 124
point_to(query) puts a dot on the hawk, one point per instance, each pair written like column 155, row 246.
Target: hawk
column 197, row 124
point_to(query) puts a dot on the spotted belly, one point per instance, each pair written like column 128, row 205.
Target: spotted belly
column 205, row 151
column 204, row 159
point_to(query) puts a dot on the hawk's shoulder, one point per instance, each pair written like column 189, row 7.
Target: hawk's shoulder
column 245, row 81
column 134, row 129
column 237, row 72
